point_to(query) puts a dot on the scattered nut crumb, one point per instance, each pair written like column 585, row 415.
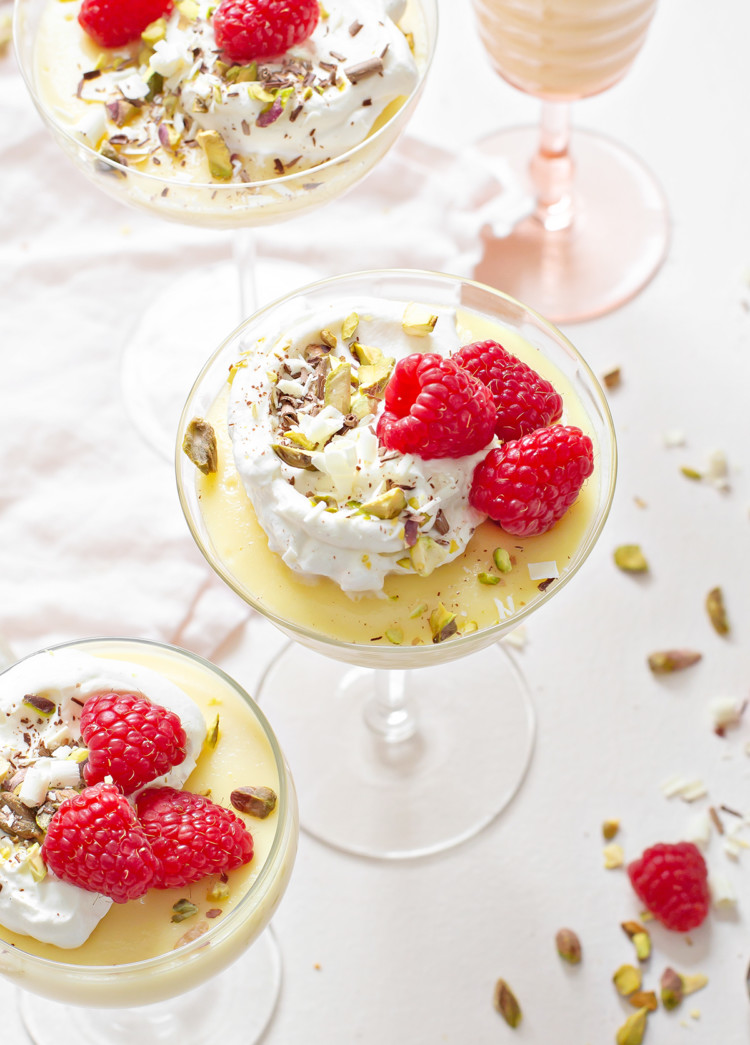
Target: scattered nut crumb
column 613, row 856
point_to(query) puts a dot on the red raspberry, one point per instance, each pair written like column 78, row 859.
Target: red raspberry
column 527, row 484
column 191, row 836
column 114, row 23
column 130, row 739
column 672, row 881
column 250, row 29
column 94, row 841
column 435, row 408
column 524, row 399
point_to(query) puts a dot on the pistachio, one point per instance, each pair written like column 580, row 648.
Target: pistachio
column 328, row 338
column 219, row 891
column 691, row 473
column 417, row 320
column 394, row 636
column 39, row 705
column 442, row 624
column 338, row 388
column 487, row 578
column 633, row 1029
column 36, row 864
column 366, row 355
column 506, row 1004
column 610, row 829
column 630, row 558
column 612, row 377
column 212, row 735
column 183, row 909
column 627, row 980
column 362, row 405
column 716, row 611
column 188, row 9
column 192, row 934
column 691, row 984
column 426, row 555
column 259, row 802
column 200, row 446
column 613, row 856
column 468, row 627
column 568, row 946
column 644, row 1000
column 154, row 32
column 642, row 944
column 418, row 610
column 349, row 326
column 671, row 988
column 293, row 457
column 374, row 378
column 502, row 560
column 665, row 661
column 387, row 505
column 217, row 154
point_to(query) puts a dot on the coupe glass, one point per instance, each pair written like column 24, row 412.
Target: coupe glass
column 401, row 750
column 168, row 344
column 598, row 228
column 228, row 989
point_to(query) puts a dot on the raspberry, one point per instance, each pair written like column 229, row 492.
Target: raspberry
column 191, row 836
column 524, row 399
column 249, row 29
column 672, row 881
column 435, row 408
column 129, row 739
column 94, row 841
column 114, row 23
column 527, row 484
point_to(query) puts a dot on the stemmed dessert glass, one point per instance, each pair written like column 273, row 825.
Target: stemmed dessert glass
column 66, row 1002
column 168, row 343
column 399, row 750
column 597, row 228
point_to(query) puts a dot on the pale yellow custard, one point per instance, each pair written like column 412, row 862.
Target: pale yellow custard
column 148, row 955
column 400, row 615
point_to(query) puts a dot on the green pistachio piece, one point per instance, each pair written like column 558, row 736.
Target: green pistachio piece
column 217, row 154
column 502, row 560
column 367, row 355
column 426, row 555
column 199, row 443
column 349, row 326
column 373, row 378
column 386, row 505
column 442, row 624
column 293, row 457
column 338, row 388
column 417, row 320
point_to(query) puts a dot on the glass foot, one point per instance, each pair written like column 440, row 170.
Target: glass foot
column 178, row 331
column 618, row 239
column 234, row 1008
column 455, row 754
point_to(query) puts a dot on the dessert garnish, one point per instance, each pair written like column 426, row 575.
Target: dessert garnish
column 627, row 980
column 664, row 662
column 633, row 1029
column 435, row 408
column 569, row 946
column 259, row 802
column 524, row 400
column 716, row 610
column 506, row 1003
column 630, row 558
column 129, row 739
column 199, row 443
column 114, row 23
column 527, row 484
column 672, row 881
column 252, row 29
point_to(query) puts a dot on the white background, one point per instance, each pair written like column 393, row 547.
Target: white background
column 409, row 952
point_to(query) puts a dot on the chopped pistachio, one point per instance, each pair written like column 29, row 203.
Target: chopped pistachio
column 671, row 988
column 349, row 326
column 418, row 610
column 188, row 9
column 367, row 355
column 387, row 505
column 328, row 338
column 612, row 378
column 338, row 388
column 691, row 984
column 394, row 635
column 374, row 378
column 257, row 92
column 502, row 560
column 293, row 457
column 716, row 611
column 183, row 909
column 212, row 735
column 200, row 446
column 633, row 1029
column 642, row 944
column 568, row 946
column 627, row 979
column 468, row 627
column 630, row 558
column 613, row 856
column 442, row 624
column 417, row 320
column 691, row 473
column 218, row 892
column 40, row 705
column 426, row 555
column 506, row 1004
column 217, row 154
column 644, row 1000
column 487, row 578
column 259, row 802
column 665, row 661
column 610, row 829
column 154, row 32
column 362, row 405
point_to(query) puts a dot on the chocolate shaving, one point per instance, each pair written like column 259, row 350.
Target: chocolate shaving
column 543, row 585
column 441, row 523
column 354, row 28
column 92, row 74
column 337, row 56
column 364, row 69
column 245, row 127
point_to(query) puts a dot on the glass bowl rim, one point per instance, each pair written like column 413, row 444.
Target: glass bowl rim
column 263, row 183
column 285, row 808
column 472, row 640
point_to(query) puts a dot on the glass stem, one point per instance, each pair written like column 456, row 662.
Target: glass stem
column 390, row 711
column 552, row 168
column 245, row 259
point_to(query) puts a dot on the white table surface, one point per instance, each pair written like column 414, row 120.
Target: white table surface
column 409, row 952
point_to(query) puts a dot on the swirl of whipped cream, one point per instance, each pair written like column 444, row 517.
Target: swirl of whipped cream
column 322, row 518
column 50, row 910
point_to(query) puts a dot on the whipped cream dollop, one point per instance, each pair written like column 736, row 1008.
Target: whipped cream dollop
column 43, row 751
column 302, row 418
column 314, row 103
